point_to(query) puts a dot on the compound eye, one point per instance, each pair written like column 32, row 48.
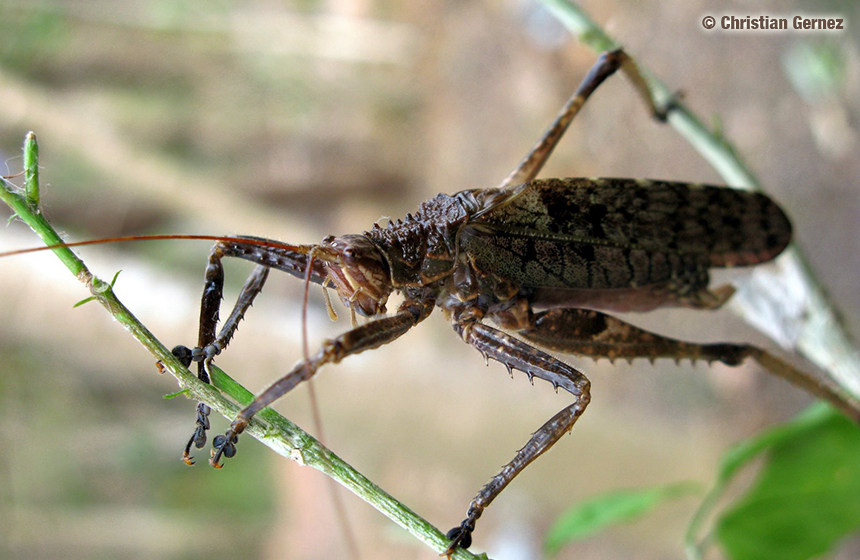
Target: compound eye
column 349, row 253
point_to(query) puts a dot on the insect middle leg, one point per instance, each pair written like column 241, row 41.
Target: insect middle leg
column 515, row 354
column 365, row 337
column 208, row 345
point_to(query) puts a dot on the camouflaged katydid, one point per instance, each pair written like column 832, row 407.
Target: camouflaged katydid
column 543, row 259
column 540, row 258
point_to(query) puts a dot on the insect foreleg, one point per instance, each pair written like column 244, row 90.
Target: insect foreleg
column 365, row 337
column 515, row 354
column 595, row 334
column 208, row 345
column 253, row 286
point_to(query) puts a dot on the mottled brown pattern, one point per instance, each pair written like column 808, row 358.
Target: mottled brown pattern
column 616, row 233
column 643, row 224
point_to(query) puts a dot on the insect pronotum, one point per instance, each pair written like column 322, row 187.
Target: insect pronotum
column 542, row 259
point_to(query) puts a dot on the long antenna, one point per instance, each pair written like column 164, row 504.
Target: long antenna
column 303, row 249
column 337, row 502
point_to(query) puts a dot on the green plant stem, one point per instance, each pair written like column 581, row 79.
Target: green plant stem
column 31, row 171
column 270, row 428
column 785, row 301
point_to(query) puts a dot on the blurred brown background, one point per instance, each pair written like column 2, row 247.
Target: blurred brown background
column 295, row 120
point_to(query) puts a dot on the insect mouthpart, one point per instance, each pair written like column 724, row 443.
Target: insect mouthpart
column 359, row 272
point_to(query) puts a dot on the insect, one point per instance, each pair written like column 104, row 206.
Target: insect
column 540, row 258
column 543, row 259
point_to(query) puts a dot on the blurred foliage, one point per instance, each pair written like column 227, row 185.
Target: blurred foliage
column 806, row 497
column 32, row 36
column 804, row 501
column 593, row 515
column 816, row 70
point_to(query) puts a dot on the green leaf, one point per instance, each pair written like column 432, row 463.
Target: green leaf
column 83, row 301
column 739, row 456
column 587, row 518
column 807, row 496
column 744, row 452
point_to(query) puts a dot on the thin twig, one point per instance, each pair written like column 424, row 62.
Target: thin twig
column 270, row 428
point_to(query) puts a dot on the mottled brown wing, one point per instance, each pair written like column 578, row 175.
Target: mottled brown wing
column 618, row 233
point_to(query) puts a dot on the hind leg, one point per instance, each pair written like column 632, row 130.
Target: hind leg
column 595, row 334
